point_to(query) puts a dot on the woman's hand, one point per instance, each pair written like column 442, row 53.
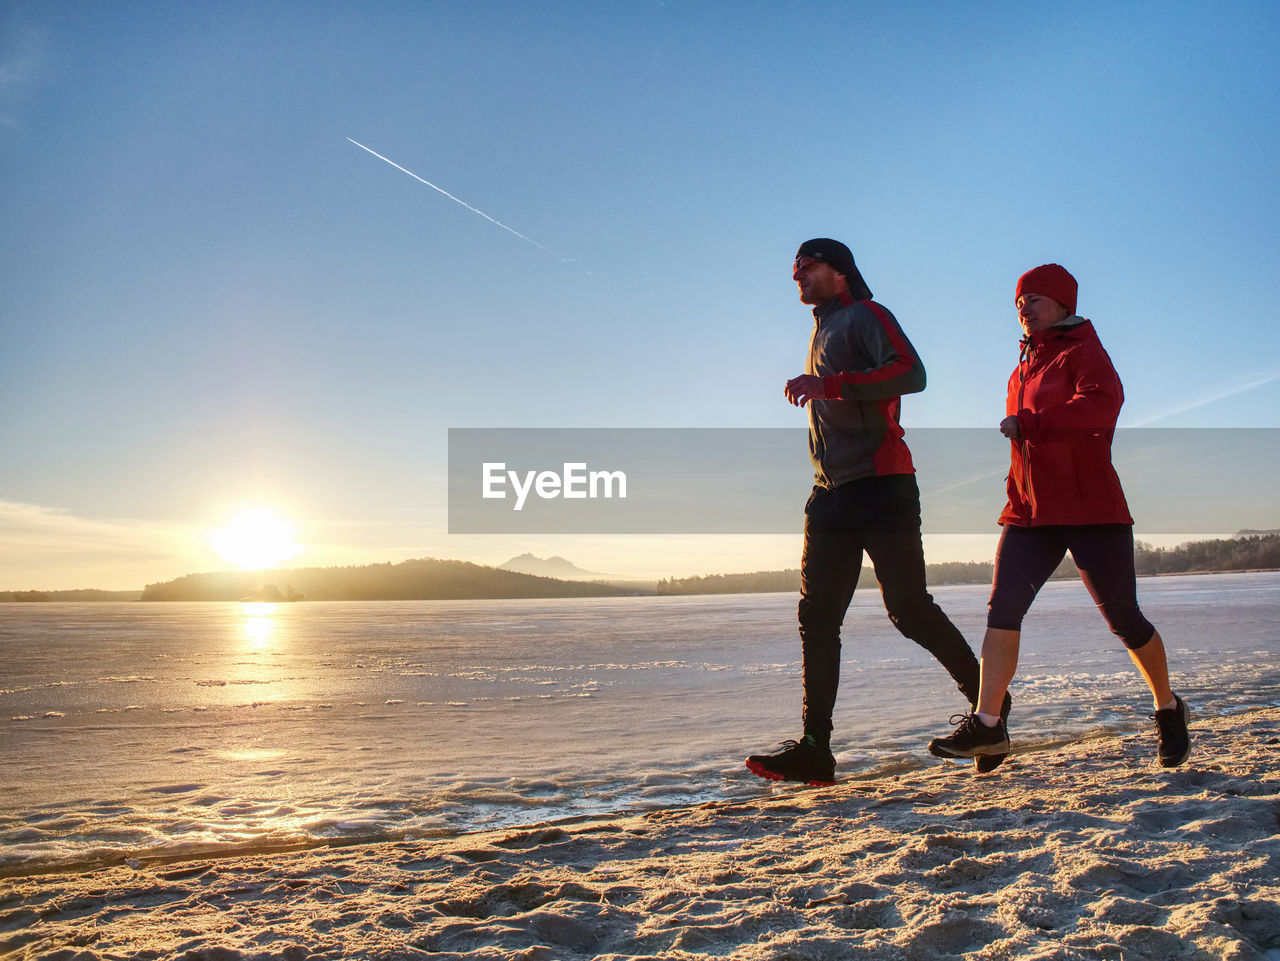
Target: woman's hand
column 1009, row 427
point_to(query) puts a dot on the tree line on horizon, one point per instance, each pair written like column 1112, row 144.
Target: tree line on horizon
column 77, row 594
column 788, row 581
column 1253, row 552
column 1248, row 553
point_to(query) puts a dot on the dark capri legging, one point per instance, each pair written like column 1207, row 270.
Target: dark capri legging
column 1026, row 556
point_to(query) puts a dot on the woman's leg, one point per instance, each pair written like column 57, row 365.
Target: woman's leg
column 1025, row 558
column 1154, row 668
column 999, row 664
column 1104, row 555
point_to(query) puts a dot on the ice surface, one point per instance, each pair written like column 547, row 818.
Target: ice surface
column 140, row 729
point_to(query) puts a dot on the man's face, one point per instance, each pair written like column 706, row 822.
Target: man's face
column 818, row 282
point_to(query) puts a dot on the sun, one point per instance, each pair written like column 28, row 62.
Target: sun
column 256, row 539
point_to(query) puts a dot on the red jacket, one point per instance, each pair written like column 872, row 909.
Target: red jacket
column 1067, row 396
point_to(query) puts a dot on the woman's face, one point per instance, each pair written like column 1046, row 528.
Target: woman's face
column 1036, row 312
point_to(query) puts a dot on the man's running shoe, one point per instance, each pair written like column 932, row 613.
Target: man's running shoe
column 986, row 763
column 802, row 760
column 972, row 738
column 1171, row 732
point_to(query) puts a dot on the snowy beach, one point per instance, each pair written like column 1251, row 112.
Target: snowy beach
column 1083, row 851
column 564, row 779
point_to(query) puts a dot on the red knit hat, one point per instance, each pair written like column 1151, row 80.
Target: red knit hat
column 1049, row 280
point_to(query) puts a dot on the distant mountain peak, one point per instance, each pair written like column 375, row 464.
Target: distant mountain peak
column 546, row 567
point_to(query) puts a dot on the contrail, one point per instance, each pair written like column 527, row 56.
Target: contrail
column 1258, row 381
column 528, row 240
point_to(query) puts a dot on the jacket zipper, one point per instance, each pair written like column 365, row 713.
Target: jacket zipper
column 814, row 419
column 1024, row 356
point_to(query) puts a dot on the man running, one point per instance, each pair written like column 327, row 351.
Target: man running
column 864, row 498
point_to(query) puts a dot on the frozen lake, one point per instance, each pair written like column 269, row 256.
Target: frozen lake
column 131, row 730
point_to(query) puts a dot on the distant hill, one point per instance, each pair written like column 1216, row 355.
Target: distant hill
column 422, row 579
column 84, row 594
column 548, row 567
column 431, row 579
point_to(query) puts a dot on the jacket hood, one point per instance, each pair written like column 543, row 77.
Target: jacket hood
column 858, row 288
column 1069, row 328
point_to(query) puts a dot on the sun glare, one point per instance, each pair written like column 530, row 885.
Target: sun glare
column 255, row 540
column 258, row 627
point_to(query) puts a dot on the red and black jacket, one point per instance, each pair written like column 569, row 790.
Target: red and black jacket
column 866, row 364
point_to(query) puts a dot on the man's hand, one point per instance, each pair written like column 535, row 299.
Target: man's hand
column 800, row 390
column 1009, row 427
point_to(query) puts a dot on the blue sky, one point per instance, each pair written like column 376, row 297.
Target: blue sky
column 212, row 298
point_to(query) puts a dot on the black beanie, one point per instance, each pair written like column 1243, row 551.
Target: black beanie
column 840, row 259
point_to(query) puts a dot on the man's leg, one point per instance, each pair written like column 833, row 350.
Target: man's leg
column 829, row 568
column 897, row 554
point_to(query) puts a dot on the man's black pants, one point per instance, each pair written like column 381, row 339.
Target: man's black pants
column 879, row 515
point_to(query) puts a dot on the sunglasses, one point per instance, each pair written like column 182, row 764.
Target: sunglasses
column 804, row 263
